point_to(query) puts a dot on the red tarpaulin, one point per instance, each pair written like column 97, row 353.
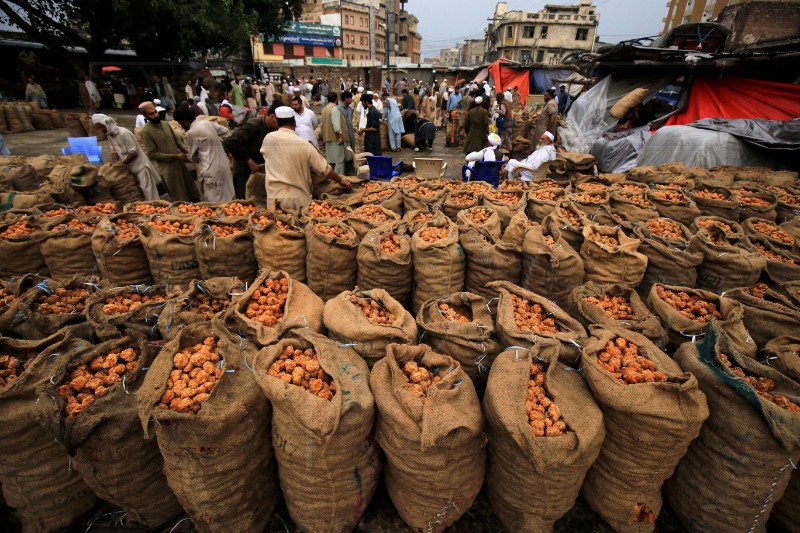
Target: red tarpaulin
column 730, row 97
column 506, row 76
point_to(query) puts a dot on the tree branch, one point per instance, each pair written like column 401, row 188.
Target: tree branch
column 27, row 7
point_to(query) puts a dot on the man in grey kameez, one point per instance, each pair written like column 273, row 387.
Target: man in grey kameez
column 333, row 134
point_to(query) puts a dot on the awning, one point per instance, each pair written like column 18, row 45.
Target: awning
column 507, row 76
column 482, row 75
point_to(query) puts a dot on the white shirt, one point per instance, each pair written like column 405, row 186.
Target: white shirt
column 204, row 143
column 508, row 96
column 537, row 157
column 305, row 126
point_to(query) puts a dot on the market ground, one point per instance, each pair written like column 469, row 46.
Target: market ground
column 50, row 142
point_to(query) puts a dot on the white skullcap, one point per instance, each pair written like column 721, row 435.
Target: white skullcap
column 225, row 102
column 369, row 92
column 156, row 101
column 549, row 136
column 284, row 112
column 361, row 89
column 479, row 100
column 494, row 139
column 296, row 88
column 450, row 90
column 159, row 109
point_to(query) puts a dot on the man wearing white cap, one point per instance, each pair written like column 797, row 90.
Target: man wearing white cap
column 490, row 153
column 476, row 126
column 289, row 162
column 543, row 153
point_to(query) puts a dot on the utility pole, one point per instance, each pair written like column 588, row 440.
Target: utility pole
column 389, row 11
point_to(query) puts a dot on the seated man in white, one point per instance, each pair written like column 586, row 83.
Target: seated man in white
column 543, row 153
column 490, row 153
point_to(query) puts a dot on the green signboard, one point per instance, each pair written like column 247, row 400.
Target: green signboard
column 307, row 28
column 325, row 61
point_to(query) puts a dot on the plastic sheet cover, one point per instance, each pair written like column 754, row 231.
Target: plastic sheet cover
column 772, row 134
column 618, row 152
column 701, row 148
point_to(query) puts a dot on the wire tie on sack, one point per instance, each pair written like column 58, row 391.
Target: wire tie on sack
column 51, row 380
column 569, row 368
column 123, row 385
column 242, row 341
column 178, row 523
column 573, row 341
column 246, row 363
column 96, row 518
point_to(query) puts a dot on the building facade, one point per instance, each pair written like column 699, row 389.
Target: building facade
column 302, row 44
column 541, row 37
column 472, row 52
column 685, row 11
column 410, row 39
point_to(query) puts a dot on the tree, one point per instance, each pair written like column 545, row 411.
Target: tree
column 157, row 30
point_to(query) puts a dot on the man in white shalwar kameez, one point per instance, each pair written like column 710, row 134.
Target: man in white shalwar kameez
column 545, row 152
column 124, row 148
column 204, row 143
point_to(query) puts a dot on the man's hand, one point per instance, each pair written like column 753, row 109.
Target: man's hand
column 339, row 138
column 182, row 157
column 346, row 184
column 253, row 165
column 360, row 131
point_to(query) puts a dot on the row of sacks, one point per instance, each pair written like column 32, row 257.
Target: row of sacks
column 424, row 255
column 616, row 429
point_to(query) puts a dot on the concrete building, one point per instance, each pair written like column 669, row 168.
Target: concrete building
column 303, row 44
column 542, row 37
column 472, row 52
column 686, row 11
column 448, row 57
column 410, row 39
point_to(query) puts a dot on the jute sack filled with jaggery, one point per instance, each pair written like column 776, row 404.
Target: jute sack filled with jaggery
column 227, row 432
column 725, row 266
column 118, row 250
column 105, row 437
column 657, row 410
column 674, row 204
column 169, row 244
column 665, row 242
column 431, row 431
column 419, row 217
column 517, row 228
column 224, row 247
column 439, row 262
column 34, row 469
column 331, row 265
column 632, row 207
column 506, row 203
column 782, row 264
column 542, row 202
column 278, row 244
column 770, row 231
column 385, row 261
column 461, row 325
column 766, row 316
column 458, row 201
column 480, row 217
column 610, row 256
column 368, row 321
column 387, row 196
column 687, row 313
column 741, row 463
column 524, row 318
column 615, row 305
column 715, row 201
column 67, row 247
column 570, row 221
column 550, row 266
column 124, row 187
column 19, row 247
column 328, row 464
column 755, row 202
column 488, row 259
column 423, row 196
column 368, row 217
column 128, row 310
column 201, row 302
column 531, row 480
column 272, row 305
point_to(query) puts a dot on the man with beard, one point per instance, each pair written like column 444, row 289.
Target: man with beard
column 544, row 152
column 168, row 154
column 244, row 144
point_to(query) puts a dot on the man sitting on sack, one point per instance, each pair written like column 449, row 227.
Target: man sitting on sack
column 543, row 153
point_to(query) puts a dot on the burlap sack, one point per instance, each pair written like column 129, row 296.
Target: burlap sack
column 551, row 271
column 106, row 441
column 12, row 120
column 506, row 203
column 747, row 210
column 218, row 462
column 42, row 121
column 35, row 470
column 172, row 257
column 58, row 185
column 542, row 202
column 621, row 264
column 25, row 179
column 491, row 225
column 736, row 232
column 788, row 207
column 742, row 461
column 21, row 253
column 140, row 322
column 570, row 333
column 682, row 329
column 229, row 255
column 782, row 264
column 662, row 418
column 532, row 481
column 519, row 225
column 331, row 265
column 74, row 125
column 419, row 217
column 3, row 124
column 362, row 224
column 421, row 197
column 569, row 220
column 389, row 197
column 179, row 311
column 473, row 344
column 434, row 446
column 727, row 208
column 278, row 248
column 195, row 209
column 67, row 251
column 124, row 187
column 791, row 292
column 57, row 119
column 256, row 188
column 303, row 309
column 644, row 322
column 439, row 267
column 328, row 463
column 669, row 260
column 632, row 207
column 588, row 203
column 765, row 318
column 488, row 259
column 380, row 270
column 628, row 102
column 683, row 211
column 347, row 324
column 749, row 226
column 724, row 266
column 456, row 202
column 122, row 261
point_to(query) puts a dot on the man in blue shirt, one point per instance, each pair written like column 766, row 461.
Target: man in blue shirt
column 454, row 102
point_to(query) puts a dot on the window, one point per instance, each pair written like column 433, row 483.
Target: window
column 543, row 34
column 582, row 34
column 540, row 56
column 528, row 32
column 526, row 56
column 507, row 53
column 308, row 51
column 347, row 19
column 509, row 32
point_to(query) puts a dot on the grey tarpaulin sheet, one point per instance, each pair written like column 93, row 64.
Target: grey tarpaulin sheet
column 588, row 117
column 617, row 152
column 772, row 134
column 701, row 148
